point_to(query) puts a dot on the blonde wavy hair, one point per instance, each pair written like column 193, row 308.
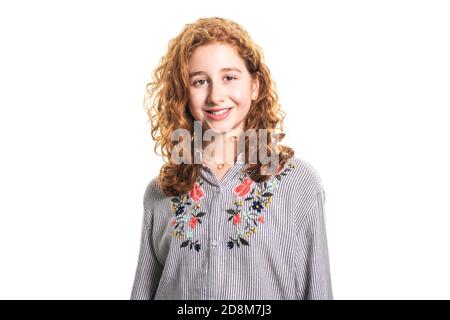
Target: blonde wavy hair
column 167, row 96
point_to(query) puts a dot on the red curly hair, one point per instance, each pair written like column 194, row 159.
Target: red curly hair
column 167, row 96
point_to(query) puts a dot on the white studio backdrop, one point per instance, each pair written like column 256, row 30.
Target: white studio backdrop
column 364, row 84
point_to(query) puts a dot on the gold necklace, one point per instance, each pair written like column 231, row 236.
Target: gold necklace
column 218, row 165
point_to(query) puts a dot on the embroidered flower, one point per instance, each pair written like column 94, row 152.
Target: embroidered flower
column 193, row 222
column 244, row 188
column 237, row 219
column 272, row 185
column 196, row 193
column 257, row 206
column 188, row 214
column 258, row 197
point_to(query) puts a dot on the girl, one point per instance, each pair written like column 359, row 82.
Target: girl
column 221, row 227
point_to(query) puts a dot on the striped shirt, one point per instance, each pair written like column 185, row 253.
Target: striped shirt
column 236, row 239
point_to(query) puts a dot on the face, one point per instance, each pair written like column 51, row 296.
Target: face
column 221, row 88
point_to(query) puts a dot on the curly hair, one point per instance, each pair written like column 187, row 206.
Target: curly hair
column 167, row 96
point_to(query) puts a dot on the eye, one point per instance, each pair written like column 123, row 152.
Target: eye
column 228, row 77
column 233, row 77
column 195, row 82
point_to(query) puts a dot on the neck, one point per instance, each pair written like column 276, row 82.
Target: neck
column 222, row 150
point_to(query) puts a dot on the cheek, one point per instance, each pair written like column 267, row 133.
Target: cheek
column 196, row 114
column 195, row 106
column 242, row 96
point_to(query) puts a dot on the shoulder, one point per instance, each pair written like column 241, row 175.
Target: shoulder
column 305, row 187
column 153, row 193
column 302, row 176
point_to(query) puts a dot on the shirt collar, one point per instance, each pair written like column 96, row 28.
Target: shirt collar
column 240, row 158
column 208, row 175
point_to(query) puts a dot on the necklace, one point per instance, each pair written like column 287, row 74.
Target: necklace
column 218, row 165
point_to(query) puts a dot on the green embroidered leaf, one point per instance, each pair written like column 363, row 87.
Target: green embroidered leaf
column 231, row 217
column 200, row 214
column 199, row 221
column 243, row 241
column 188, row 203
column 185, row 243
column 267, row 194
column 255, row 222
column 278, row 177
column 249, row 198
column 175, row 200
column 265, row 185
column 231, row 211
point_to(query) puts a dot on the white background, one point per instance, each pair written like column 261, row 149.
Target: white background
column 365, row 86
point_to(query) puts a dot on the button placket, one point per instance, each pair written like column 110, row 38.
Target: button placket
column 214, row 257
column 216, row 226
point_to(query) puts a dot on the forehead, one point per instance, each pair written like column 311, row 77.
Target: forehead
column 213, row 57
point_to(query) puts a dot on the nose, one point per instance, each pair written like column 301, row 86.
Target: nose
column 216, row 94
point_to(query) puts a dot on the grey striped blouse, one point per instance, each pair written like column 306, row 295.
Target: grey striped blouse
column 236, row 239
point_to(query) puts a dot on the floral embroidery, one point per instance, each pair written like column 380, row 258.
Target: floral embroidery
column 248, row 212
column 185, row 223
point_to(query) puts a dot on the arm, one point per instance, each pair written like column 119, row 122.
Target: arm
column 149, row 269
column 314, row 277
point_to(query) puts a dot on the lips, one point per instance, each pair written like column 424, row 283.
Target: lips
column 215, row 110
column 218, row 113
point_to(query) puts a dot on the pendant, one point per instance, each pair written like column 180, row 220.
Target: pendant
column 220, row 166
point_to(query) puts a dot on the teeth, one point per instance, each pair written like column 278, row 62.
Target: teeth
column 220, row 112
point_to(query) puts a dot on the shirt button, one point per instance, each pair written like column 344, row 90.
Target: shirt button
column 214, row 243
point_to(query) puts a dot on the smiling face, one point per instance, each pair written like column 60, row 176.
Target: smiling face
column 221, row 88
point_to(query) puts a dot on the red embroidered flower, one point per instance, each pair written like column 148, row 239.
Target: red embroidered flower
column 173, row 222
column 244, row 188
column 236, row 218
column 196, row 193
column 193, row 222
column 261, row 219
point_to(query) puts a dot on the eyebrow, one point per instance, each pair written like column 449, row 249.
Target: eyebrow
column 223, row 69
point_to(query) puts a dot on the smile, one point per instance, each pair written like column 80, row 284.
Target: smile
column 218, row 114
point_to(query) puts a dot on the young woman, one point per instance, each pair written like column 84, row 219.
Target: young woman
column 224, row 226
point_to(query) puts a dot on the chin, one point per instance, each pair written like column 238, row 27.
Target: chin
column 220, row 128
